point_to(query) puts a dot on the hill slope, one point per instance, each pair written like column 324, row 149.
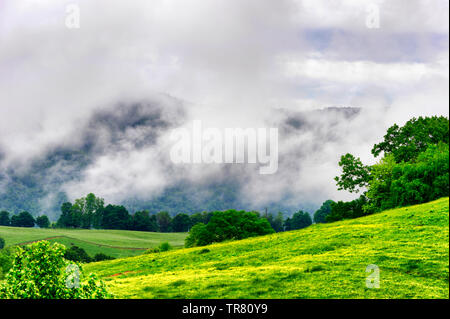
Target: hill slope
column 115, row 243
column 410, row 246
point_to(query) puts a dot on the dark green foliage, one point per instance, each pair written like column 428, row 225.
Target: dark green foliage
column 324, row 210
column 4, row 218
column 43, row 221
column 275, row 222
column 423, row 180
column 165, row 246
column 6, row 260
column 142, row 221
column 164, row 222
column 299, row 220
column 102, row 256
column 228, row 225
column 65, row 219
column 414, row 169
column 181, row 223
column 77, row 254
column 2, row 243
column 407, row 142
column 203, row 217
column 24, row 219
column 198, row 236
column 347, row 210
column 86, row 212
column 354, row 174
column 116, row 217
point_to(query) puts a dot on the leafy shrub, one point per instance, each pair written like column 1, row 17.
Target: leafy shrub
column 6, row 260
column 39, row 271
column 164, row 247
column 77, row 254
column 198, row 236
column 2, row 243
column 151, row 251
column 101, row 256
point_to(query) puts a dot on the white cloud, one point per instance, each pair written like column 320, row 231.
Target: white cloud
column 235, row 62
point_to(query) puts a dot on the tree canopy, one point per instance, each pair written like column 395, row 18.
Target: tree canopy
column 413, row 169
column 228, row 225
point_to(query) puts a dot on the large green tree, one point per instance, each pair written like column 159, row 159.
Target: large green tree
column 43, row 221
column 24, row 219
column 321, row 214
column 164, row 222
column 299, row 220
column 116, row 217
column 91, row 210
column 181, row 223
column 142, row 221
column 275, row 221
column 4, row 218
column 406, row 142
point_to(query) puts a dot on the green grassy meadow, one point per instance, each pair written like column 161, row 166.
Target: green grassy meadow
column 115, row 243
column 410, row 246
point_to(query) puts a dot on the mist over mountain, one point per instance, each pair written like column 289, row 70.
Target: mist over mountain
column 62, row 172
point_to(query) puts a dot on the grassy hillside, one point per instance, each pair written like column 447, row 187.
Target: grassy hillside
column 410, row 246
column 115, row 243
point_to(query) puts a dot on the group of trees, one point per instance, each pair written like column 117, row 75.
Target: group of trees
column 231, row 224
column 299, row 220
column 23, row 219
column 78, row 254
column 413, row 170
column 90, row 212
column 228, row 225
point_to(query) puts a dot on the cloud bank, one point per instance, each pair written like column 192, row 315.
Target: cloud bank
column 228, row 63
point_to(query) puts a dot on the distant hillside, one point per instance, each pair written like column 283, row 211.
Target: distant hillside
column 409, row 245
column 115, row 243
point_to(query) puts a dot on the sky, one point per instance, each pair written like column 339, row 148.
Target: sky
column 228, row 63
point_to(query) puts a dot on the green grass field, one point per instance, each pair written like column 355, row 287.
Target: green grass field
column 409, row 245
column 115, row 243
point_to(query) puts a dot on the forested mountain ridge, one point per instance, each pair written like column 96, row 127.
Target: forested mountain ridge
column 39, row 188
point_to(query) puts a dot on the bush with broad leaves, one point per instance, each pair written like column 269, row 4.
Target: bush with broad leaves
column 39, row 271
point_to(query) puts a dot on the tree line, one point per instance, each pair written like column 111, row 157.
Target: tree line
column 90, row 213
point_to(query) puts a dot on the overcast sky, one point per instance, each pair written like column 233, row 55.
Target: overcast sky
column 231, row 63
